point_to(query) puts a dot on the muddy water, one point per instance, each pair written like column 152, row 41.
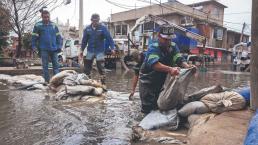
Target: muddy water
column 28, row 117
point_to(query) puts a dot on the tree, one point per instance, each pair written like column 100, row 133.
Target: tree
column 24, row 13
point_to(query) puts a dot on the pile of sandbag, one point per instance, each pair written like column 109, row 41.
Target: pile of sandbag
column 70, row 84
column 25, row 82
column 212, row 99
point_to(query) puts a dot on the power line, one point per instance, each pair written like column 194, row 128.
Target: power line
column 120, row 5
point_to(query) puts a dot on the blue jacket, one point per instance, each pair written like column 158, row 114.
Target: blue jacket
column 154, row 54
column 94, row 39
column 46, row 37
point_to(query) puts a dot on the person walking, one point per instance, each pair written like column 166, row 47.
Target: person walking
column 94, row 37
column 47, row 39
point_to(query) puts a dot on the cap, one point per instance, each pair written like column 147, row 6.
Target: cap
column 95, row 16
column 166, row 32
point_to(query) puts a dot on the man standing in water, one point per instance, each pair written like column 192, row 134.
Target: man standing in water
column 159, row 61
column 47, row 39
column 93, row 37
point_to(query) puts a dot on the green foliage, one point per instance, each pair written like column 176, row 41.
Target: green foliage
column 26, row 40
column 3, row 40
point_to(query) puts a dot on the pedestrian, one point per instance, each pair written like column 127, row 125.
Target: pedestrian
column 161, row 59
column 138, row 57
column 94, row 36
column 47, row 39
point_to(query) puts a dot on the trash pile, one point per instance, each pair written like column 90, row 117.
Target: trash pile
column 175, row 106
column 70, row 84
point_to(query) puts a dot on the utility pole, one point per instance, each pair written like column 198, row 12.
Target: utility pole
column 80, row 19
column 254, row 57
column 242, row 33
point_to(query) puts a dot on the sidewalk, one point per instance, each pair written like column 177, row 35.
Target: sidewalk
column 228, row 128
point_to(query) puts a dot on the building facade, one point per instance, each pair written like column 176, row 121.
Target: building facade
column 206, row 16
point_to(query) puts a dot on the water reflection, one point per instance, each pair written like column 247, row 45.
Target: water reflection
column 27, row 117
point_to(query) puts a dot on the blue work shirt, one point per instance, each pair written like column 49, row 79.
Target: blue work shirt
column 149, row 76
column 46, row 36
column 94, row 39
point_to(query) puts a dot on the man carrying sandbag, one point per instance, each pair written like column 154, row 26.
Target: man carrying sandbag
column 161, row 58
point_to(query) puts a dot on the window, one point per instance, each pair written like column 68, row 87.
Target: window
column 218, row 33
column 76, row 42
column 149, row 26
column 124, row 29
column 67, row 43
column 121, row 29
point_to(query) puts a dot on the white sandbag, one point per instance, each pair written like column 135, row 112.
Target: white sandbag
column 174, row 89
column 79, row 90
column 4, row 77
column 75, row 79
column 196, row 107
column 97, row 91
column 196, row 96
column 57, row 79
column 224, row 101
column 167, row 120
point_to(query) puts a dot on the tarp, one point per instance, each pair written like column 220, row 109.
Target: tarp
column 185, row 43
column 252, row 134
column 245, row 92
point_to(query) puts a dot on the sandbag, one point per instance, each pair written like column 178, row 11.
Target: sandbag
column 174, row 89
column 196, row 96
column 57, row 79
column 224, row 101
column 167, row 120
column 75, row 79
column 196, row 107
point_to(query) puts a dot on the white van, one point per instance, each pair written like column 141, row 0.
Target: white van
column 71, row 48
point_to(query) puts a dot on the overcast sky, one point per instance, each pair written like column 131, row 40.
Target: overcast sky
column 238, row 11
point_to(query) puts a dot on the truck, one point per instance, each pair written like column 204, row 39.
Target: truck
column 241, row 56
column 145, row 36
column 70, row 52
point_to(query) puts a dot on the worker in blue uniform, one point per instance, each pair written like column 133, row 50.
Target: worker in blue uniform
column 94, row 37
column 162, row 58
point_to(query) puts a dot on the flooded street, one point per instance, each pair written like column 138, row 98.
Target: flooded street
column 28, row 117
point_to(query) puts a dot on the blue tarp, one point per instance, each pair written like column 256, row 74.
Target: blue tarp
column 184, row 42
column 252, row 134
column 245, row 92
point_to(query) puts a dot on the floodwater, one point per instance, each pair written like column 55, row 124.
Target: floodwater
column 28, row 117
